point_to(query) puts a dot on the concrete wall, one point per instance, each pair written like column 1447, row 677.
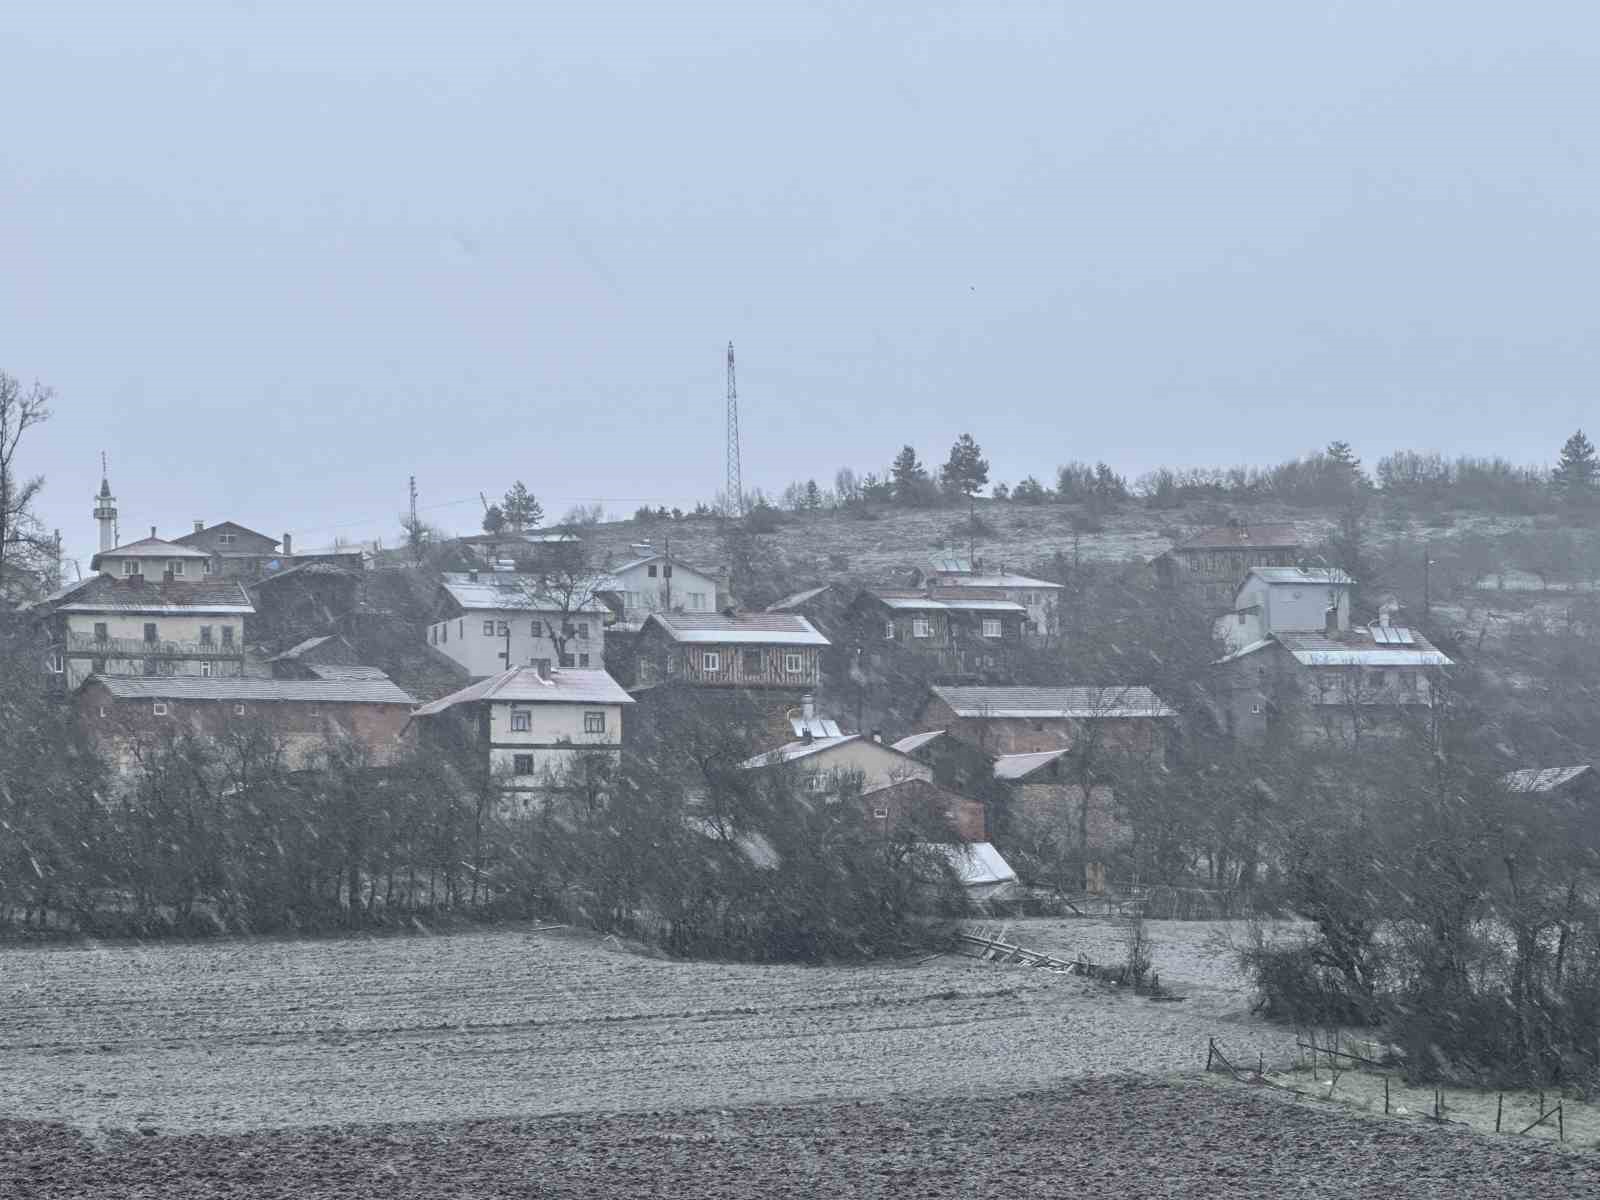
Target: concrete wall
column 463, row 639
column 124, row 653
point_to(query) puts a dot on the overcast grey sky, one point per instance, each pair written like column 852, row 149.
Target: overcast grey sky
column 276, row 257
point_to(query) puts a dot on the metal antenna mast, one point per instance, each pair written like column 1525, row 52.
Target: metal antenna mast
column 735, row 484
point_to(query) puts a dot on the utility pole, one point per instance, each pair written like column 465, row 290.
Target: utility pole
column 734, row 483
column 1427, row 561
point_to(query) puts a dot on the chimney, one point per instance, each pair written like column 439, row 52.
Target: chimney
column 152, row 531
column 1330, row 620
column 472, row 576
column 877, row 736
column 288, row 544
column 543, row 667
column 199, row 525
column 808, row 706
column 1383, row 616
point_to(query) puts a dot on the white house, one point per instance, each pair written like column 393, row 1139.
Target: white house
column 491, row 620
column 1274, row 600
column 529, row 725
column 655, row 582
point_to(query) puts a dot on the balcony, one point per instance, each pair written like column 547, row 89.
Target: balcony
column 80, row 644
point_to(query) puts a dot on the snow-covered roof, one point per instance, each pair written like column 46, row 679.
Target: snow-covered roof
column 524, row 685
column 917, row 740
column 1001, row 580
column 794, row 751
column 1543, row 779
column 142, row 594
column 506, row 591
column 1079, row 703
column 925, row 604
column 817, row 727
column 644, row 560
column 149, row 547
column 757, row 629
column 382, row 690
column 978, row 864
column 1358, row 648
column 798, row 598
column 1301, row 576
column 1011, row 767
column 299, row 648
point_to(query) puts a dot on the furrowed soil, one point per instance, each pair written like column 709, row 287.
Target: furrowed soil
column 253, row 1035
column 1100, row 1137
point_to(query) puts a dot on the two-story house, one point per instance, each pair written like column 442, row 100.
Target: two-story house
column 1295, row 661
column 729, row 650
column 964, row 628
column 1211, row 564
column 489, row 620
column 654, row 581
column 1040, row 598
column 528, row 726
column 149, row 611
column 1127, row 721
column 126, row 716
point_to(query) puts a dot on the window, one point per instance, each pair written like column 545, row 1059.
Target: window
column 991, row 627
column 225, row 539
column 521, row 721
column 920, row 628
column 583, row 660
column 444, row 631
column 102, row 712
column 502, row 629
column 101, row 632
column 159, row 708
column 888, row 631
column 129, row 567
column 98, row 667
column 667, row 571
column 205, row 669
column 880, row 814
column 210, row 568
column 149, row 666
column 583, row 631
column 227, row 635
column 1255, row 709
column 488, row 629
column 594, row 722
column 461, row 628
column 794, row 663
column 711, row 660
column 754, row 662
column 175, row 565
column 205, row 635
column 58, row 662
column 697, row 600
column 238, row 710
column 567, row 661
column 522, row 764
column 651, row 571
column 167, row 667
column 150, row 631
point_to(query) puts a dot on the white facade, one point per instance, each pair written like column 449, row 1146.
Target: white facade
column 531, row 743
column 122, row 643
column 655, row 583
column 478, row 639
column 1284, row 600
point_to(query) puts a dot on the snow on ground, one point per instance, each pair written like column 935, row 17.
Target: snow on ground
column 241, row 1035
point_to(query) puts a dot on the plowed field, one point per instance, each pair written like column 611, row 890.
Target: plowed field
column 254, row 1035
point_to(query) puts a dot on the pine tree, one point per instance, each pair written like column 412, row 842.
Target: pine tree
column 967, row 470
column 910, row 476
column 812, row 498
column 1577, row 473
column 493, row 519
column 521, row 508
column 1344, row 467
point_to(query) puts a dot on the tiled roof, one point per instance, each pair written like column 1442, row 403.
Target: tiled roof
column 1543, row 779
column 152, row 548
column 1243, row 537
column 523, row 685
column 344, row 671
column 188, row 539
column 1054, row 702
column 1019, row 766
column 503, row 591
column 104, row 593
column 768, row 629
column 917, row 740
column 237, row 688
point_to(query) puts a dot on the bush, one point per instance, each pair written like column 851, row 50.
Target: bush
column 1293, row 985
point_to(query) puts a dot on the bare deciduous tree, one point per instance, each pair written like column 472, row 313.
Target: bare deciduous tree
column 22, row 542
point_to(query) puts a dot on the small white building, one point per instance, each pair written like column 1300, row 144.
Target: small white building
column 1275, row 600
column 1039, row 596
column 491, row 620
column 652, row 581
column 528, row 726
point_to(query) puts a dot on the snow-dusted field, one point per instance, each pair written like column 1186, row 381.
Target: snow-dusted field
column 245, row 1035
